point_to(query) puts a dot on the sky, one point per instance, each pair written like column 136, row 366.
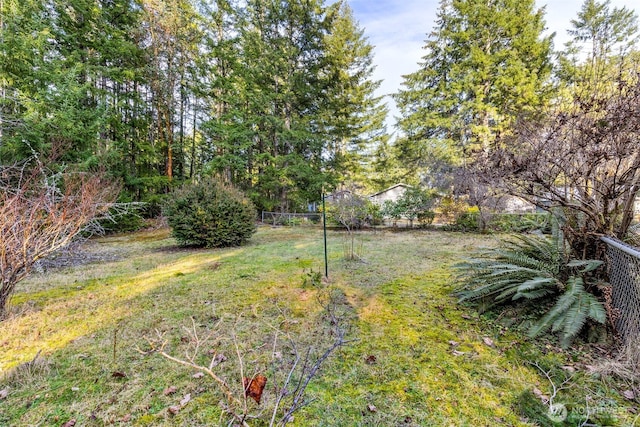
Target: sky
column 398, row 29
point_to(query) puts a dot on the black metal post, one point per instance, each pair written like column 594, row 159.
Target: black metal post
column 324, row 228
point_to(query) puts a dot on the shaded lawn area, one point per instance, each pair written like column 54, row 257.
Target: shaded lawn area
column 418, row 358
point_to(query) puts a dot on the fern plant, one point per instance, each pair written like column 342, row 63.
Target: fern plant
column 529, row 270
column 525, row 267
column 570, row 313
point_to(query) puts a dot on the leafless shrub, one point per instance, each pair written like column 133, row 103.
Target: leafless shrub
column 351, row 211
column 282, row 366
column 42, row 211
column 581, row 162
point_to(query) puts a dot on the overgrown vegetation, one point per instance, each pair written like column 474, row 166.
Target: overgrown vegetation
column 210, row 214
column 469, row 220
column 419, row 359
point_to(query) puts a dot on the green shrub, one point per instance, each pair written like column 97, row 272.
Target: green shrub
column 210, row 214
column 374, row 214
column 502, row 222
column 467, row 221
column 450, row 208
column 391, row 210
column 520, row 223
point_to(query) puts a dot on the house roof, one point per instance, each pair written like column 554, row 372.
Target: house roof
column 389, row 189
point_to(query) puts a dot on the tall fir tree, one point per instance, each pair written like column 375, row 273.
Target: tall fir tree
column 603, row 47
column 355, row 116
column 485, row 64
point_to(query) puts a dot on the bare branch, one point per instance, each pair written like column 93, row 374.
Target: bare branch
column 42, row 212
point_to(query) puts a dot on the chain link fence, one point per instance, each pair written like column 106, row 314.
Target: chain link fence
column 624, row 275
column 291, row 219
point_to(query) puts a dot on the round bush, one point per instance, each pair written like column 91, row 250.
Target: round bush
column 210, row 214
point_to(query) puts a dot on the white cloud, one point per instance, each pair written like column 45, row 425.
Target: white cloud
column 398, row 30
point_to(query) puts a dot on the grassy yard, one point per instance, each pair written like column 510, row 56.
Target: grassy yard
column 415, row 357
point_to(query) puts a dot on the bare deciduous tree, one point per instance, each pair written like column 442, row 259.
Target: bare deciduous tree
column 582, row 162
column 42, row 212
column 351, row 211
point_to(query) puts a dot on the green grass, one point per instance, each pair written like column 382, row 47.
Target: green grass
column 398, row 304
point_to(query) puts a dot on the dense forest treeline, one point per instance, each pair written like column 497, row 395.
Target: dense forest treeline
column 278, row 98
column 274, row 97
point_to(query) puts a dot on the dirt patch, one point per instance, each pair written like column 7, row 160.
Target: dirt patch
column 80, row 253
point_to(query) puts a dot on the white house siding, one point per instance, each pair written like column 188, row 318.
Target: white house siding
column 391, row 193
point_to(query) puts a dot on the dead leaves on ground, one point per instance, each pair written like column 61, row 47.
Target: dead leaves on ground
column 183, row 402
column 253, row 387
column 628, row 394
column 488, row 341
column 170, row 390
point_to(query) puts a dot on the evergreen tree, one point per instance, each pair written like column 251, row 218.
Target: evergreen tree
column 275, row 97
column 355, row 116
column 486, row 63
column 603, row 47
column 42, row 96
column 172, row 43
column 64, row 62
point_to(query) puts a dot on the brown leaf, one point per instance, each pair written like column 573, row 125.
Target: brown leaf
column 453, row 343
column 540, row 395
column 253, row 387
column 170, row 390
column 458, row 353
column 186, row 399
column 69, row 423
column 488, row 341
column 126, row 418
column 218, row 359
column 4, row 393
column 372, row 408
column 174, row 409
column 629, row 394
column 371, row 359
column 198, row 375
column 118, row 374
